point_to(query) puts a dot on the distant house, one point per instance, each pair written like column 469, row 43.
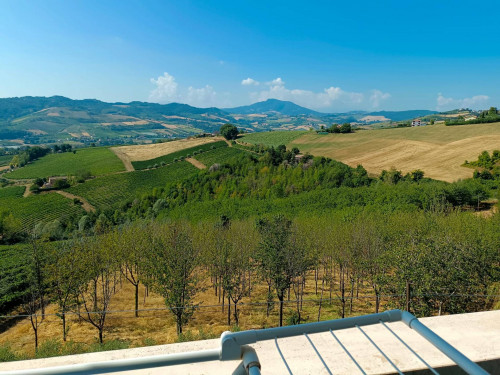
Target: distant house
column 416, row 122
column 50, row 183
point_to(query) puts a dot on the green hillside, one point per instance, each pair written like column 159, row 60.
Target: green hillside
column 275, row 138
column 36, row 208
column 109, row 191
column 97, row 161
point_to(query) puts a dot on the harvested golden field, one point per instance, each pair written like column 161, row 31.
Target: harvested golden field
column 438, row 150
column 147, row 152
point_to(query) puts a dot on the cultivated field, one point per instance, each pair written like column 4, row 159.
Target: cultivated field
column 108, row 191
column 275, row 138
column 147, row 152
column 438, row 150
column 221, row 155
column 98, row 161
column 186, row 152
column 35, row 208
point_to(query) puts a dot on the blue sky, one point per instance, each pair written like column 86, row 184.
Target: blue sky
column 327, row 55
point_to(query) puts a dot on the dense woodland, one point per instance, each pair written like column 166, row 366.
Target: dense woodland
column 269, row 217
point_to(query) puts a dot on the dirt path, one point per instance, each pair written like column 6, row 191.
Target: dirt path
column 27, row 192
column 5, row 167
column 196, row 163
column 86, row 205
column 228, row 143
column 124, row 158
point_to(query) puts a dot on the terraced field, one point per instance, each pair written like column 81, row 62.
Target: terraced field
column 169, row 158
column 98, row 161
column 35, row 208
column 274, row 138
column 109, row 191
column 221, row 155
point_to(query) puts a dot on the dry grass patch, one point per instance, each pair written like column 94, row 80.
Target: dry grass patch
column 147, row 152
column 210, row 320
column 438, row 150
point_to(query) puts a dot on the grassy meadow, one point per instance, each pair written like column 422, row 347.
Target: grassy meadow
column 98, row 161
column 438, row 150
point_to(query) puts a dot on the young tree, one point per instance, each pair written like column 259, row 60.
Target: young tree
column 171, row 263
column 98, row 286
column 64, row 276
column 279, row 257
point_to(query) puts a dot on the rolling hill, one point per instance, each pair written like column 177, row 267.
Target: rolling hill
column 438, row 150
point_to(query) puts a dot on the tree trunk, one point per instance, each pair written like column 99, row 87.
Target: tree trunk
column 100, row 336
column 64, row 325
column 236, row 318
column 281, row 297
column 228, row 311
column 136, row 300
column 408, row 295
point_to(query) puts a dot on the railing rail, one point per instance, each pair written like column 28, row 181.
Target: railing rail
column 235, row 346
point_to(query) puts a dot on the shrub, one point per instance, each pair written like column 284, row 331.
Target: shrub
column 49, row 348
column 6, row 354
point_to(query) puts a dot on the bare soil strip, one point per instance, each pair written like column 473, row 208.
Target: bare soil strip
column 4, row 167
column 27, row 192
column 86, row 205
column 124, row 158
column 196, row 163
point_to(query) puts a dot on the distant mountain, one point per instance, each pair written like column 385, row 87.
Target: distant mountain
column 274, row 105
column 42, row 120
column 402, row 115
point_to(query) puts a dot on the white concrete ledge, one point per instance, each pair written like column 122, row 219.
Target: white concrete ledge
column 476, row 335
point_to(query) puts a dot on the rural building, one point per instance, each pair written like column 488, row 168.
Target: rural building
column 416, row 122
column 50, row 183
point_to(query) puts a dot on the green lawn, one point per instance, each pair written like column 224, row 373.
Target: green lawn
column 274, row 138
column 109, row 191
column 221, row 155
column 169, row 158
column 35, row 208
column 98, row 161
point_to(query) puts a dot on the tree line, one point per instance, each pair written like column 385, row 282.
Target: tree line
column 424, row 261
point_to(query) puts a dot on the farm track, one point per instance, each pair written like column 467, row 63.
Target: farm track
column 5, row 167
column 27, row 192
column 124, row 158
column 86, row 205
column 196, row 163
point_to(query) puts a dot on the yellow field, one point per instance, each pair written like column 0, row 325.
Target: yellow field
column 152, row 151
column 438, row 150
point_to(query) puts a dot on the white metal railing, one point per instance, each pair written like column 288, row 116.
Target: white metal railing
column 235, row 346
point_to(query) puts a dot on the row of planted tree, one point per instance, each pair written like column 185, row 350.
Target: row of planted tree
column 424, row 262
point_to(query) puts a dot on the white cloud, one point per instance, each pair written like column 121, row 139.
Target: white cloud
column 202, row 97
column 378, row 96
column 475, row 102
column 276, row 82
column 167, row 90
column 331, row 96
column 249, row 82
